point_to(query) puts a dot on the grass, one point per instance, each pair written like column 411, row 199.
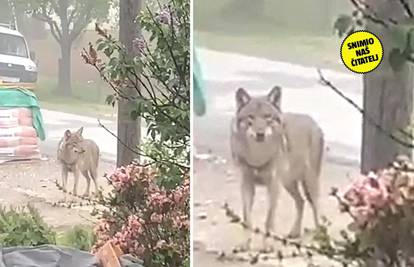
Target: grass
column 86, row 99
column 79, row 237
column 307, row 50
column 268, row 37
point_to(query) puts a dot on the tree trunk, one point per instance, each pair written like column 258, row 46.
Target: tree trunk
column 129, row 130
column 65, row 83
column 388, row 97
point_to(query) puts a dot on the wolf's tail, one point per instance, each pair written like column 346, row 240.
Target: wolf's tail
column 317, row 148
column 98, row 156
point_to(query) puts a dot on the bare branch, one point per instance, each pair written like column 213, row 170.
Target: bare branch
column 372, row 15
column 54, row 6
column 45, row 17
column 82, row 22
column 153, row 73
column 72, row 15
column 327, row 83
column 302, row 249
column 139, row 152
column 407, row 8
column 182, row 79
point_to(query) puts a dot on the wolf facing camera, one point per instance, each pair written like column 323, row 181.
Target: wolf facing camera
column 272, row 147
column 78, row 155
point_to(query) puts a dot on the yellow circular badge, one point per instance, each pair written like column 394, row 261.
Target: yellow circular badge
column 362, row 52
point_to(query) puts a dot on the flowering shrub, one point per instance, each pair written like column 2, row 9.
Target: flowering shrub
column 145, row 220
column 381, row 207
column 367, row 198
column 147, row 211
column 159, row 72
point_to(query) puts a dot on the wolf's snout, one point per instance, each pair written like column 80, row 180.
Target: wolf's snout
column 260, row 137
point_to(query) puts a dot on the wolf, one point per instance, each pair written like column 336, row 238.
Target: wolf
column 272, row 147
column 78, row 155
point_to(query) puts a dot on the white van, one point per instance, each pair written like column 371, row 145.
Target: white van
column 16, row 61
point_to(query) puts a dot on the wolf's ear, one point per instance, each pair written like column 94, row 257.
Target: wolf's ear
column 242, row 98
column 67, row 134
column 79, row 132
column 275, row 96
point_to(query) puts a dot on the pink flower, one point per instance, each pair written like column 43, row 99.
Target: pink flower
column 134, row 223
column 156, row 218
column 160, row 244
column 377, row 196
column 363, row 215
column 177, row 196
column 139, row 250
column 353, row 196
column 371, row 197
column 121, row 178
column 164, row 16
column 368, row 191
column 163, row 209
column 158, row 199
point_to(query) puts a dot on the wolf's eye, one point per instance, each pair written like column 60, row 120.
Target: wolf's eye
column 250, row 119
column 269, row 119
column 277, row 119
column 273, row 120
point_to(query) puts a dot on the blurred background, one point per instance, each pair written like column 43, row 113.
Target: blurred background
column 88, row 92
column 298, row 30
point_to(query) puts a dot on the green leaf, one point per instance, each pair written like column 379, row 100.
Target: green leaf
column 355, row 13
column 399, row 36
column 396, row 59
column 24, row 227
column 342, row 24
column 110, row 100
column 101, row 46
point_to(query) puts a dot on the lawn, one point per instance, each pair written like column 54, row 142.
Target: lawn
column 87, row 98
column 269, row 36
column 307, row 50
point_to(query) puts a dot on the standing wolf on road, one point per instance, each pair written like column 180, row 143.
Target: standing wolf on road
column 78, row 155
column 272, row 147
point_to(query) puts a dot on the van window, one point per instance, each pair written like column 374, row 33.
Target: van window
column 12, row 45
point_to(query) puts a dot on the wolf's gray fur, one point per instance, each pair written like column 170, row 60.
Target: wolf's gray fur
column 78, row 155
column 272, row 147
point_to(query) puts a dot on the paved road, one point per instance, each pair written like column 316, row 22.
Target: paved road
column 57, row 122
column 302, row 92
column 35, row 182
column 216, row 180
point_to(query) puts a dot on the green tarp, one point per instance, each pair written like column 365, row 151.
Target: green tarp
column 199, row 100
column 23, row 98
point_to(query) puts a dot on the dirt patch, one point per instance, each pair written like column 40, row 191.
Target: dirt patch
column 217, row 182
column 35, row 183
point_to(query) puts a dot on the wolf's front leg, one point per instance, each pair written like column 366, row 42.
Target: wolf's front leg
column 88, row 183
column 75, row 184
column 273, row 194
column 64, row 178
column 247, row 193
column 293, row 189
